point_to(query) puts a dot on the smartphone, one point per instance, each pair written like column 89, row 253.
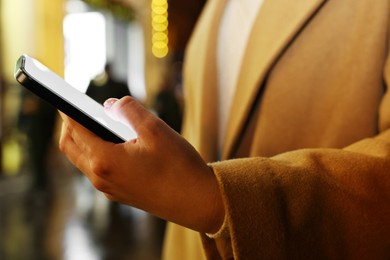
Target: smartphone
column 52, row 88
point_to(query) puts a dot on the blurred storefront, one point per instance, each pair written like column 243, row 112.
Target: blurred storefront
column 76, row 38
column 35, row 28
column 144, row 42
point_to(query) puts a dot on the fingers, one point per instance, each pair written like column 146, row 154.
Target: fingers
column 80, row 145
column 129, row 111
column 87, row 141
column 80, row 156
column 70, row 149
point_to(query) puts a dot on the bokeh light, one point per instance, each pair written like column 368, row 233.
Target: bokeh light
column 159, row 16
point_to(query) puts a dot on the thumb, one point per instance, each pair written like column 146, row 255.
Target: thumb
column 128, row 111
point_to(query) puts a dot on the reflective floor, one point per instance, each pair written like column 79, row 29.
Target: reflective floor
column 72, row 221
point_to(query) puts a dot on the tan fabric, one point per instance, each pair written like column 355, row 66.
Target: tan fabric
column 310, row 122
column 181, row 238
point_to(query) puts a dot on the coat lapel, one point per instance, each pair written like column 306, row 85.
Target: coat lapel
column 276, row 25
column 209, row 143
column 202, row 108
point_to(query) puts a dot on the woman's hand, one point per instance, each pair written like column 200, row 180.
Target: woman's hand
column 159, row 171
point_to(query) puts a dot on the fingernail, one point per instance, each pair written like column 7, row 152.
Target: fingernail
column 109, row 102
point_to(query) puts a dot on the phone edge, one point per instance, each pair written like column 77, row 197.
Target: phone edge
column 23, row 78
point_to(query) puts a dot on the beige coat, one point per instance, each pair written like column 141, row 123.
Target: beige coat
column 310, row 121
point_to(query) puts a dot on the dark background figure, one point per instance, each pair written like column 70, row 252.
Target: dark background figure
column 168, row 101
column 104, row 86
column 37, row 120
column 167, row 107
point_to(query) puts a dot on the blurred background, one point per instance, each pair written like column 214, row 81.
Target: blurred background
column 105, row 48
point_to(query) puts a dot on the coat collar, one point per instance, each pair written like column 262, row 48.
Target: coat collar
column 276, row 25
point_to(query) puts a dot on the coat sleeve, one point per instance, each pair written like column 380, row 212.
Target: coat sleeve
column 309, row 203
column 316, row 201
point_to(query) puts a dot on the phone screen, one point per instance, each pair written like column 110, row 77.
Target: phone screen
column 39, row 79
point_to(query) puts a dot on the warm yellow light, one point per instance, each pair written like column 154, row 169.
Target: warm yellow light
column 159, row 16
column 159, row 2
column 160, row 45
column 160, row 10
column 159, row 19
column 160, row 52
column 11, row 157
column 160, row 27
column 160, row 36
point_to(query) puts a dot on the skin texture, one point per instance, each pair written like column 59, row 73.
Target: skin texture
column 159, row 171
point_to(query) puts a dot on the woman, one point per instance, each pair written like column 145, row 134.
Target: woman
column 304, row 162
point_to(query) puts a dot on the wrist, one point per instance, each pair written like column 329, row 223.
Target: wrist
column 216, row 217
